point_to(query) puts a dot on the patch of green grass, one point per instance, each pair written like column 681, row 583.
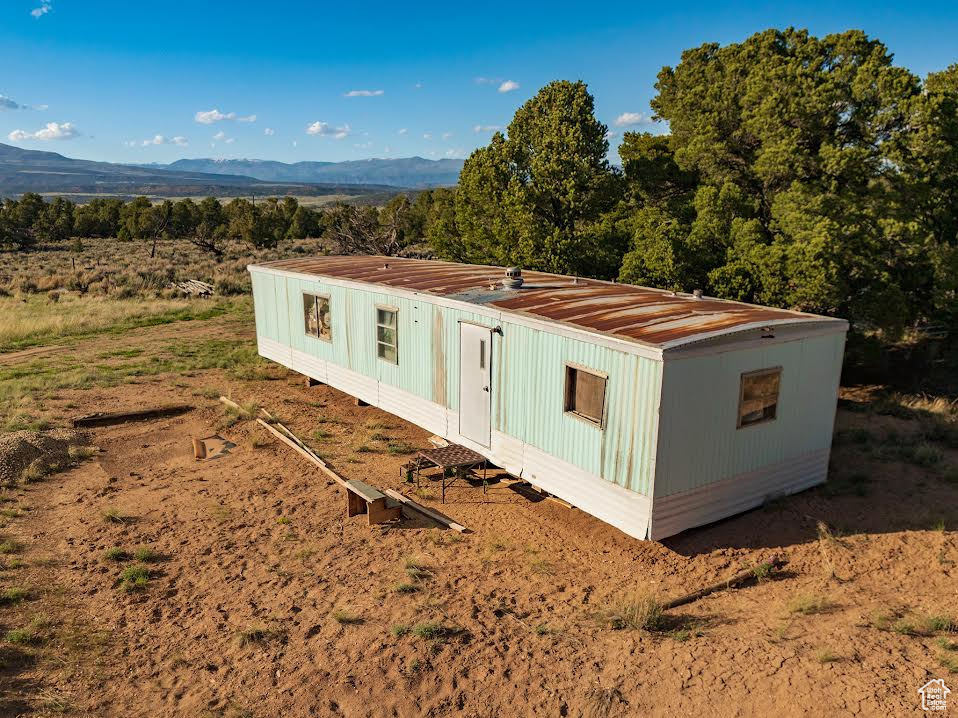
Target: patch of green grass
column 116, row 554
column 20, row 636
column 542, row 629
column 946, row 644
column 949, row 663
column 431, row 631
column 321, row 435
column 134, row 578
column 209, row 392
column 79, row 453
column 10, row 546
column 10, row 513
column 405, row 588
column 808, row 604
column 14, row 595
column 345, row 617
column 145, row 554
column 400, row 448
column 939, row 624
column 399, row 630
column 283, row 520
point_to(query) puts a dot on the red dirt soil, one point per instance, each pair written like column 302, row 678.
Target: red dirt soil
column 256, row 558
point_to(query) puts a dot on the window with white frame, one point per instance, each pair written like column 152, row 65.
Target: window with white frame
column 585, row 393
column 387, row 334
column 318, row 321
column 758, row 396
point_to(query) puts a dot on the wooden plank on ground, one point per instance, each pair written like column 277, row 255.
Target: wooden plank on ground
column 309, row 456
column 434, row 515
column 101, row 418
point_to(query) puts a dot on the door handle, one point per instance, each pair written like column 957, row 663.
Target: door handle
column 485, row 388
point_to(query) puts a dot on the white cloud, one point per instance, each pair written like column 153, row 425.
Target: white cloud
column 52, row 131
column 219, row 136
column 610, row 134
column 269, row 132
column 403, row 131
column 629, row 119
column 486, row 128
column 7, row 104
column 39, row 12
column 508, row 86
column 324, row 129
column 454, row 154
column 209, row 117
column 179, row 141
column 427, row 136
column 487, row 80
column 364, row 93
column 446, row 135
column 417, row 86
column 363, row 146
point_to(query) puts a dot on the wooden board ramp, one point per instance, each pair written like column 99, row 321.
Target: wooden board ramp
column 425, row 511
column 360, row 496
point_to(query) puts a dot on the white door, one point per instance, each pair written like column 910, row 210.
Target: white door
column 475, row 382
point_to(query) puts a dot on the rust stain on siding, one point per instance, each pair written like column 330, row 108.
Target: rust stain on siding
column 439, row 359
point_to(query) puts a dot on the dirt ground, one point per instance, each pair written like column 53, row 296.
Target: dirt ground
column 263, row 599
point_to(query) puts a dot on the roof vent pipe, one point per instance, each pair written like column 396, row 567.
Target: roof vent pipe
column 513, row 278
column 697, row 293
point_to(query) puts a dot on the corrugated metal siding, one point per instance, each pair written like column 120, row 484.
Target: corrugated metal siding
column 528, row 374
column 529, row 381
column 675, row 513
column 698, row 440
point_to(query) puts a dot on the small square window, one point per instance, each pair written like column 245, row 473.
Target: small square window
column 387, row 334
column 317, row 318
column 585, row 394
column 758, row 398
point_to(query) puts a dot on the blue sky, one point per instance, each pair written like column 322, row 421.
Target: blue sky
column 154, row 82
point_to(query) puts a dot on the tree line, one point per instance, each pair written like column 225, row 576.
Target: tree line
column 800, row 172
column 787, row 170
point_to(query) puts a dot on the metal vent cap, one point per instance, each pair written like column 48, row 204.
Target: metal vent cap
column 513, row 278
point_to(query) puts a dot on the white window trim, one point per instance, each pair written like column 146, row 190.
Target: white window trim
column 395, row 310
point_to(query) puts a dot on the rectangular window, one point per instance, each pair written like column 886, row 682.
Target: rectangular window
column 585, row 394
column 387, row 334
column 758, row 399
column 317, row 319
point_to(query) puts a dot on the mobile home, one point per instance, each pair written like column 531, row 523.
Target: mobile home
column 652, row 410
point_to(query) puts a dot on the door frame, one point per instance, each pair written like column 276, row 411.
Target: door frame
column 491, row 330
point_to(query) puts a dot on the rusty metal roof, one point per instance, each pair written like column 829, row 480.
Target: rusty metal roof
column 652, row 317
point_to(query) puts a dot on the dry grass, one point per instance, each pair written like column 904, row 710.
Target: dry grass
column 640, row 612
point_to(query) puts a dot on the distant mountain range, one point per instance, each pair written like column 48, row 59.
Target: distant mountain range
column 51, row 173
column 414, row 172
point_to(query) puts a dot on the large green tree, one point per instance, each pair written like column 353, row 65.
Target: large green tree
column 534, row 195
column 779, row 182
